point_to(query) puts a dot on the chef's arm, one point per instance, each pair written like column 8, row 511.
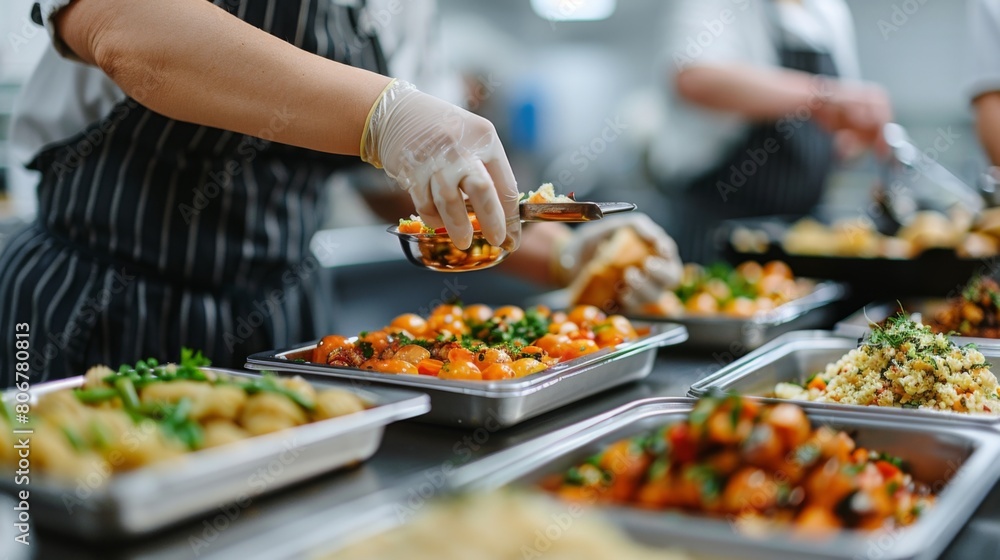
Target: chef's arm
column 192, row 61
column 756, row 93
column 988, row 124
column 767, row 94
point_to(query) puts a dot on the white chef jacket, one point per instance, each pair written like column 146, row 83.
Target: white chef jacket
column 984, row 59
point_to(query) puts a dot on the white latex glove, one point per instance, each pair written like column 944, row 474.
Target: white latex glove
column 660, row 272
column 436, row 152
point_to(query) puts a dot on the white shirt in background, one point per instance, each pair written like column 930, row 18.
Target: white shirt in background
column 692, row 140
column 984, row 59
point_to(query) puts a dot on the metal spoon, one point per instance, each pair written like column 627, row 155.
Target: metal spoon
column 572, row 211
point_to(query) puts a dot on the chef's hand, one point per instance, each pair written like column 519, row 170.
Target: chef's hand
column 660, row 271
column 436, row 152
column 858, row 107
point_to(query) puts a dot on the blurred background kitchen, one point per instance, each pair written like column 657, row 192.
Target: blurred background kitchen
column 576, row 103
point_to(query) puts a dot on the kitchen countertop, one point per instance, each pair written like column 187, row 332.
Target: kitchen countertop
column 413, row 457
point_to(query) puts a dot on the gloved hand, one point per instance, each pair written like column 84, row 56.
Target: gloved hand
column 660, row 271
column 436, row 152
column 859, row 107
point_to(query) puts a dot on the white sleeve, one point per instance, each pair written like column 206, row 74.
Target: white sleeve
column 717, row 31
column 46, row 10
column 984, row 25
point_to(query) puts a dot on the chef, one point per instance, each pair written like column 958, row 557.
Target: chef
column 759, row 98
column 182, row 147
column 984, row 86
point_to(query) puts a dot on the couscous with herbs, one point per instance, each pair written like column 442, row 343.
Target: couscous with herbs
column 904, row 364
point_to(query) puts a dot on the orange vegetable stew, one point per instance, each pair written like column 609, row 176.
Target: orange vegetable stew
column 748, row 462
column 478, row 343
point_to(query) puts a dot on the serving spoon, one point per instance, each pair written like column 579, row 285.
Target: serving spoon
column 435, row 251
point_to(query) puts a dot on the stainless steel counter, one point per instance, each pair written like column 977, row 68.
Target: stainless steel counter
column 414, row 458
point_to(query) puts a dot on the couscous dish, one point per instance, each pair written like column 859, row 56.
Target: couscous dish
column 905, row 364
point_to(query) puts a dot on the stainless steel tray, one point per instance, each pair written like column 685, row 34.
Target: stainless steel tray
column 741, row 335
column 500, row 404
column 921, row 309
column 223, row 478
column 794, row 357
column 958, row 461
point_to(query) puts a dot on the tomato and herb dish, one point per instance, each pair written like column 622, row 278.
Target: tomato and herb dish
column 740, row 292
column 476, row 342
column 737, row 458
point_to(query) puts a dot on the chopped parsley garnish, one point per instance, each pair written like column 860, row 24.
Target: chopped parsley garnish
column 901, row 333
column 367, row 350
column 406, row 341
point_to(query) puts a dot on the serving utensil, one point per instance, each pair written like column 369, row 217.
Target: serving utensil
column 898, row 201
column 572, row 211
column 435, row 251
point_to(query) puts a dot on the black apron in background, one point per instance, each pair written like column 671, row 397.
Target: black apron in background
column 155, row 234
column 799, row 157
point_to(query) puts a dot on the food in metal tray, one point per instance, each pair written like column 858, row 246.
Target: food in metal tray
column 975, row 312
column 957, row 230
column 904, row 364
column 143, row 414
column 735, row 292
column 476, row 342
column 756, row 465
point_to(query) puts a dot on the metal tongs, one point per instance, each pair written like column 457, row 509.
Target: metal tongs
column 572, row 211
column 897, row 199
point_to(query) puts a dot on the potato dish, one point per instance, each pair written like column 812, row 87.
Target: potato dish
column 136, row 416
column 736, row 292
column 756, row 465
column 904, row 364
column 975, row 312
column 476, row 342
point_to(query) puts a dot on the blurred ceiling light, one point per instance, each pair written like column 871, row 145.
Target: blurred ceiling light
column 574, row 10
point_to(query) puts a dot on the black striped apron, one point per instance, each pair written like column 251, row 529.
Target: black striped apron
column 155, row 234
column 780, row 168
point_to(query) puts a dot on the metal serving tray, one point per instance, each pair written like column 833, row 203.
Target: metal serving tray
column 735, row 334
column 794, row 357
column 144, row 500
column 500, row 404
column 958, row 461
column 920, row 309
column 741, row 335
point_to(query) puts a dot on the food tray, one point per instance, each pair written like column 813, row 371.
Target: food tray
column 921, row 309
column 957, row 460
column 146, row 499
column 500, row 404
column 794, row 357
column 741, row 335
column 933, row 272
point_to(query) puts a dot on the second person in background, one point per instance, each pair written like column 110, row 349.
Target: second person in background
column 761, row 98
